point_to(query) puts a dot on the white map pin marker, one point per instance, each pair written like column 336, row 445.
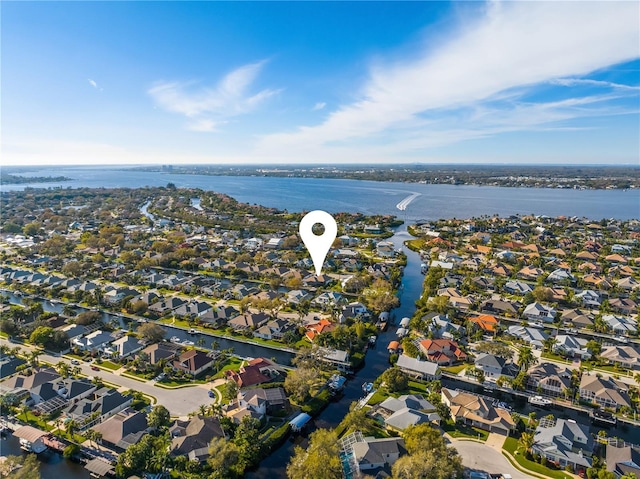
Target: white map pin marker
column 318, row 246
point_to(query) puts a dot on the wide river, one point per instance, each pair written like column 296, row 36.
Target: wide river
column 370, row 197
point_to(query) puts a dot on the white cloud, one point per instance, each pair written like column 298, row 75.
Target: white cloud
column 473, row 84
column 595, row 83
column 209, row 106
column 319, row 106
column 92, row 83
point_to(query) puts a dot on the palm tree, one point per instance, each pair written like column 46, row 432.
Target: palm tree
column 33, row 357
column 71, row 427
column 63, row 369
column 526, row 358
column 202, row 409
column 24, row 409
column 525, row 443
column 215, row 345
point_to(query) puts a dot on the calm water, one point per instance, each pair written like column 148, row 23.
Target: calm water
column 370, row 197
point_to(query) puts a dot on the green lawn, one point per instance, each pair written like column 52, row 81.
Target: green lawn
column 179, row 384
column 511, row 445
column 109, row 365
column 462, row 430
column 232, row 363
column 455, row 369
column 35, row 421
column 3, row 335
column 378, row 397
column 132, row 375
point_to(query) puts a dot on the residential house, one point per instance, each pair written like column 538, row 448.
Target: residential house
column 494, row 367
column 257, row 371
column 442, row 327
column 166, row 306
column 608, row 393
column 443, row 352
column 407, row 410
column 625, row 356
column 549, row 379
column 456, row 299
column 103, row 402
column 622, row 325
column 500, row 307
column 94, row 341
column 193, row 309
column 385, row 249
column 564, row 443
column 298, row 296
column 248, row 321
column 517, row 287
column 560, row 275
column 371, row 454
column 123, row 347
column 159, row 351
column 116, row 295
column 571, row 346
column 476, row 411
column 122, row 429
column 192, row 438
column 322, row 326
column 578, row 318
column 589, row 298
column 486, row 323
column 623, row 460
column 274, row 329
column 624, row 305
column 257, row 403
column 532, row 336
column 193, row 362
column 537, row 311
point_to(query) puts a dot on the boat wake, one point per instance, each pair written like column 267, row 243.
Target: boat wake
column 404, row 203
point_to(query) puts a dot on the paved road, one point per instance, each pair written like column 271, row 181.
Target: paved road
column 479, row 456
column 179, row 402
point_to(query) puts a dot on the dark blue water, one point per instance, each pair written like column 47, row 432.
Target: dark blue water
column 369, row 197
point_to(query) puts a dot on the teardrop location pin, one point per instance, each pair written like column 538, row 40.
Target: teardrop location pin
column 318, row 245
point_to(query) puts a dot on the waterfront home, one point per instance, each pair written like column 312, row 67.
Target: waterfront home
column 377, row 454
column 257, row 371
column 549, row 378
column 123, row 429
column 116, row 295
column 476, row 411
column 193, row 362
column 394, row 347
column 94, row 341
column 102, row 403
column 322, row 326
column 608, row 393
column 191, row 438
column 123, row 347
column 420, row 369
column 571, row 346
column 443, row 352
column 406, row 410
column 193, row 309
column 537, row 311
column 494, row 367
column 625, row 356
column 442, row 327
column 623, row 460
column 335, row 357
column 166, row 306
column 354, row 310
column 274, row 329
column 564, row 442
column 257, row 403
column 385, row 249
column 248, row 321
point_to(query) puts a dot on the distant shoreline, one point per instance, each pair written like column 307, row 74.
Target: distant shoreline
column 7, row 179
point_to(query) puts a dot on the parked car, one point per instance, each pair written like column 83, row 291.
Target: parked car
column 75, row 362
column 95, row 368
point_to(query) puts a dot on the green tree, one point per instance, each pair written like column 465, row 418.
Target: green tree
column 394, row 380
column 224, row 459
column 23, row 468
column 151, row 332
column 71, row 450
column 41, row 336
column 525, row 443
column 525, row 358
column 159, row 417
column 247, row 439
column 321, row 459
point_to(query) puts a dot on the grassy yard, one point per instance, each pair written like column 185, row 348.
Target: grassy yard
column 511, row 446
column 455, row 369
column 137, row 377
column 35, row 421
column 109, row 365
column 462, row 430
column 378, row 397
column 232, row 363
column 177, row 384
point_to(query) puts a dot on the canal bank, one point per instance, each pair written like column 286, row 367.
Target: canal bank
column 375, row 363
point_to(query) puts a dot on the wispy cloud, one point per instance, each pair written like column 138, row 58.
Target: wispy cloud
column 476, row 83
column 209, row 107
column 319, row 106
column 92, row 83
column 593, row 83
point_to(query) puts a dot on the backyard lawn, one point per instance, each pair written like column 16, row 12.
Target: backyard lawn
column 511, row 446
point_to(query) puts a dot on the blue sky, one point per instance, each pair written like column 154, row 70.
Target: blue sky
column 306, row 82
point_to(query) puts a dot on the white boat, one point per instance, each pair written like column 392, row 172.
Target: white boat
column 367, row 387
column 188, row 343
column 192, row 331
column 372, row 340
column 175, row 339
column 540, row 401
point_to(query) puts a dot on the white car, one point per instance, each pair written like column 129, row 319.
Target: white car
column 75, row 362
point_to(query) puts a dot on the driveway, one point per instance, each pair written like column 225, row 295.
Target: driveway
column 479, row 456
column 180, row 402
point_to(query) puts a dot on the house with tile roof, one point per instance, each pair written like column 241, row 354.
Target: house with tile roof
column 122, row 429
column 485, row 322
column 549, row 379
column 193, row 362
column 625, row 356
column 191, row 438
column 476, row 411
column 608, row 393
column 623, row 460
column 443, row 352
